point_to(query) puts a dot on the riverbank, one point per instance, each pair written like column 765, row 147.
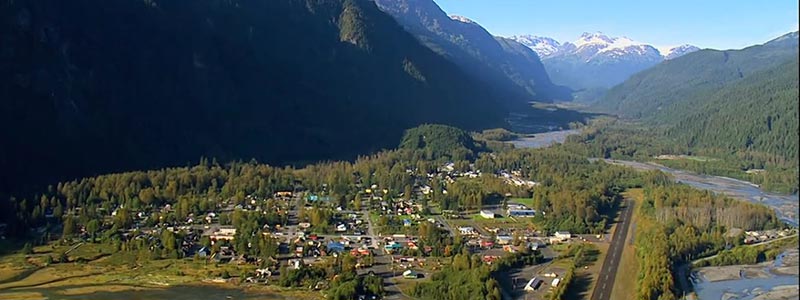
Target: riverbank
column 786, row 206
column 544, row 139
column 769, row 280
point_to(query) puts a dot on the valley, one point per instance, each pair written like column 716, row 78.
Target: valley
column 398, row 149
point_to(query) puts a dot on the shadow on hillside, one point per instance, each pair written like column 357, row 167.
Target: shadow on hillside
column 546, row 117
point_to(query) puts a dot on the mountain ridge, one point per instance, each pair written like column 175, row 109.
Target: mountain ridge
column 733, row 102
column 97, row 87
column 516, row 70
column 595, row 60
column 548, row 47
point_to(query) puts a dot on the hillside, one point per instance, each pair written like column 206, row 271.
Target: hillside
column 95, row 87
column 759, row 113
column 739, row 105
column 509, row 67
column 438, row 141
column 686, row 81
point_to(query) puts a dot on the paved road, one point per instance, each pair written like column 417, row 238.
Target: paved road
column 602, row 290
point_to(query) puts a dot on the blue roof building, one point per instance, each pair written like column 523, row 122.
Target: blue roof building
column 334, row 246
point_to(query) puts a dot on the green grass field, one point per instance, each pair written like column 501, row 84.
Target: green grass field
column 524, row 201
column 120, row 276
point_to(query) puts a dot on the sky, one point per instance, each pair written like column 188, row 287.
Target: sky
column 716, row 24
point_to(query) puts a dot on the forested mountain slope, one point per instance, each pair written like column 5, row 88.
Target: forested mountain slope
column 760, row 113
column 688, row 80
column 509, row 67
column 99, row 86
column 721, row 101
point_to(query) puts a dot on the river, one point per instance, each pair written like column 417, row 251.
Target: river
column 786, row 206
column 769, row 286
column 769, row 280
column 544, row 139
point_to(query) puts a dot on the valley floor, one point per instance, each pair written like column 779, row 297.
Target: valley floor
column 109, row 277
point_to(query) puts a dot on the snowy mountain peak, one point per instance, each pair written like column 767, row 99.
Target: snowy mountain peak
column 673, row 52
column 604, row 43
column 592, row 45
column 462, row 19
column 543, row 46
column 593, row 38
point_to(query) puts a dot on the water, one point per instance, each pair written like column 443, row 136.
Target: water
column 545, row 139
column 785, row 206
column 743, row 289
column 749, row 288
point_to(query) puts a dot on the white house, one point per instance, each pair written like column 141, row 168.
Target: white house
column 504, row 239
column 555, row 282
column 487, row 214
column 563, row 235
column 466, row 230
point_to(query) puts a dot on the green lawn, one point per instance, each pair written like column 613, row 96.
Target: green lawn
column 525, row 201
column 121, row 275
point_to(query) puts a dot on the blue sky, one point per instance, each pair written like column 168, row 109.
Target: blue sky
column 718, row 24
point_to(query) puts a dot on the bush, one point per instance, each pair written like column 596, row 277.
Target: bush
column 27, row 249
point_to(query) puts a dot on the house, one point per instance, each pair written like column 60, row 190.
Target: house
column 314, row 198
column 521, row 213
column 425, row 189
column 334, row 246
column 392, row 247
column 533, row 284
column 410, row 274
column 533, row 246
column 263, row 273
column 223, row 233
column 467, row 230
column 504, row 239
column 563, row 235
column 489, row 259
column 555, row 282
column 283, row 194
column 412, row 246
column 487, row 214
column 203, row 252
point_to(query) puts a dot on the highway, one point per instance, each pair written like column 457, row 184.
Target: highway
column 608, row 273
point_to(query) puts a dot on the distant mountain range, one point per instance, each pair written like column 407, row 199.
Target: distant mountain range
column 509, row 67
column 597, row 60
column 730, row 101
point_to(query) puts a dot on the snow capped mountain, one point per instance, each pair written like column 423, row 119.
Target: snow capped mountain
column 673, row 52
column 462, row 19
column 596, row 60
column 543, row 46
column 596, row 45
